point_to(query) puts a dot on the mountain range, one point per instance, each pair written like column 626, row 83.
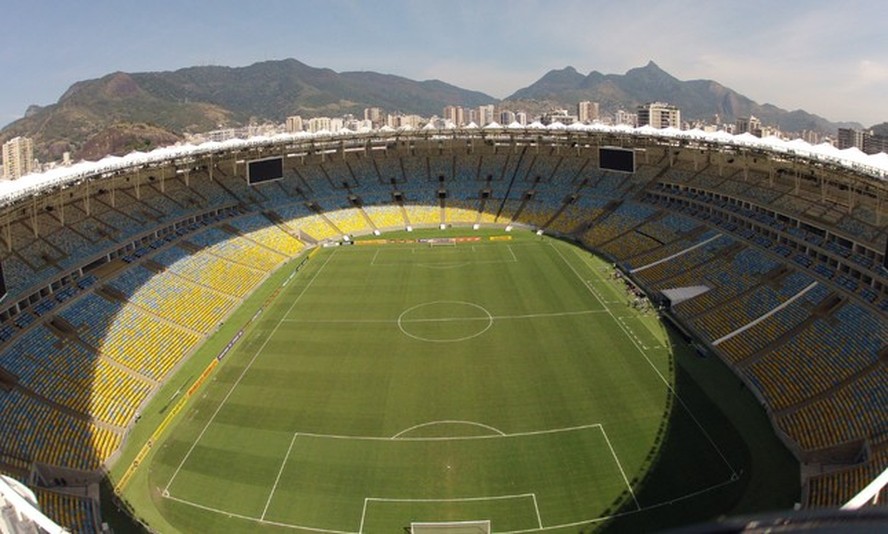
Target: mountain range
column 697, row 99
column 122, row 111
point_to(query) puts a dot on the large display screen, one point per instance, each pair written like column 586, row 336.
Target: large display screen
column 264, row 170
column 616, row 159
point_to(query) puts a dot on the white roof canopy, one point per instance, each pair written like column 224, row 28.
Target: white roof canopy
column 852, row 159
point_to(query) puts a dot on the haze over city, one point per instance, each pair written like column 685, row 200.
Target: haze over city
column 815, row 55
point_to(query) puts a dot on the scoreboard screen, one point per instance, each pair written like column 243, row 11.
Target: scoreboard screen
column 264, row 170
column 616, row 159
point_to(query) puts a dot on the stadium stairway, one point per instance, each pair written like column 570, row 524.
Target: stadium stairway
column 332, row 225
column 367, row 218
column 564, row 205
column 727, row 253
column 829, row 305
column 517, row 215
column 692, row 236
column 481, row 210
column 606, row 211
column 59, row 407
column 631, row 229
column 772, row 278
column 833, row 390
column 278, row 221
column 65, row 330
column 404, row 213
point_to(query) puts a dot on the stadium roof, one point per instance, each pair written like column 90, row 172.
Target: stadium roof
column 852, row 158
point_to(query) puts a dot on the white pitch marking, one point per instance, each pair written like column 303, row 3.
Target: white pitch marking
column 734, row 478
column 255, row 519
column 454, row 499
column 447, row 319
column 448, row 422
column 654, row 367
column 537, row 508
column 451, row 438
column 531, row 496
column 512, row 252
column 624, row 514
column 278, row 478
column 661, row 504
column 247, row 368
column 620, row 466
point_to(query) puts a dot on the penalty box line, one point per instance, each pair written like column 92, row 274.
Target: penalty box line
column 499, row 435
column 531, row 496
column 540, row 527
column 244, row 372
column 254, row 519
column 591, row 521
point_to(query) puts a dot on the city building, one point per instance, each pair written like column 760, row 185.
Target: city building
column 864, row 140
column 624, row 117
column 558, row 115
column 404, row 121
column 375, row 116
column 455, row 115
column 873, row 144
column 659, row 115
column 587, row 111
column 749, row 124
column 294, row 124
column 810, row 136
column 850, row 138
column 485, row 115
column 317, row 124
column 18, row 157
column 506, row 117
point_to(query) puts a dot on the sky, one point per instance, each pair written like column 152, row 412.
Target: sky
column 826, row 57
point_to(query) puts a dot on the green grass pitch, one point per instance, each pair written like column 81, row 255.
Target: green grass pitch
column 492, row 380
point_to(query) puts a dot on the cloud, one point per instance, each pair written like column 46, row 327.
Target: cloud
column 812, row 54
column 871, row 72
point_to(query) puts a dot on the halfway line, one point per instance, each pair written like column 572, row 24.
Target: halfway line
column 445, row 319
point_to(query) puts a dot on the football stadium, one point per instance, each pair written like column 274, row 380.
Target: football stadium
column 499, row 329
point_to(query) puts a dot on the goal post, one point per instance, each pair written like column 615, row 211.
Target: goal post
column 442, row 242
column 451, row 527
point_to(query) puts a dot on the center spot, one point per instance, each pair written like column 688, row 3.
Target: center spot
column 445, row 321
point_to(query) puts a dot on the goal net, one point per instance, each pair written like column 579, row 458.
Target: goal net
column 451, row 527
column 442, row 242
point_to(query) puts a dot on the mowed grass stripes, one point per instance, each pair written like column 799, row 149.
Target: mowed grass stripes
column 397, row 383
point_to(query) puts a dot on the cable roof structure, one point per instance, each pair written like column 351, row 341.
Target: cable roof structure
column 852, row 159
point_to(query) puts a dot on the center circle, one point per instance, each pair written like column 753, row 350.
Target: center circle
column 445, row 321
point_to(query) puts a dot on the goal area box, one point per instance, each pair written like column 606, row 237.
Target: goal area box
column 451, row 527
